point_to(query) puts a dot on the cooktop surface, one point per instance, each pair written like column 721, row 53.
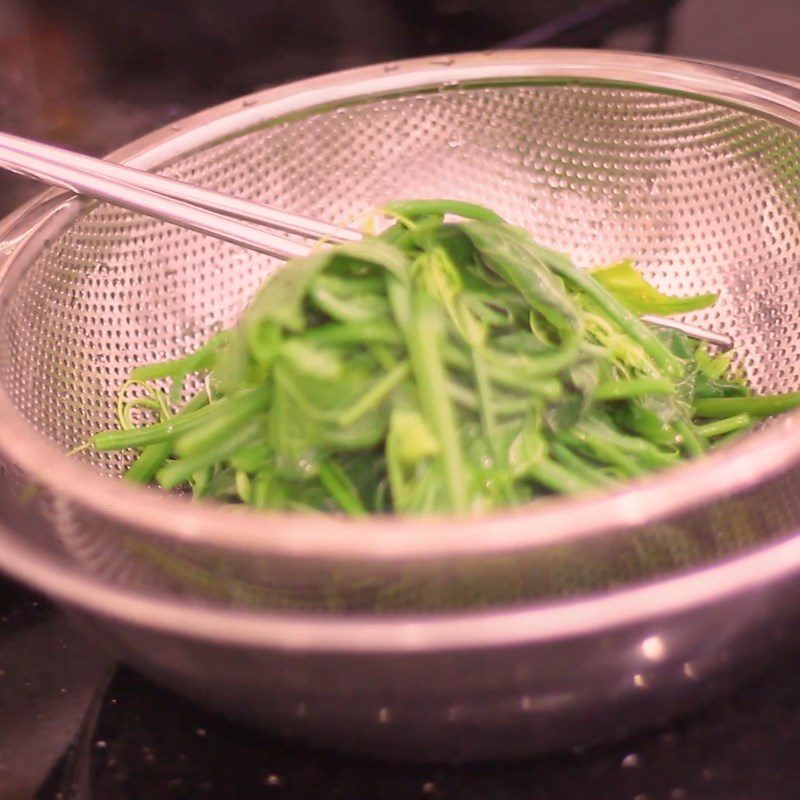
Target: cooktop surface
column 73, row 726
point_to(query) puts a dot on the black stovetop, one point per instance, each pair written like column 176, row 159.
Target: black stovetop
column 92, row 74
column 74, row 727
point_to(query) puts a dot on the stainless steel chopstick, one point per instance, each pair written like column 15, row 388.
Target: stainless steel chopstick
column 152, row 204
column 235, row 207
column 202, row 210
column 695, row 331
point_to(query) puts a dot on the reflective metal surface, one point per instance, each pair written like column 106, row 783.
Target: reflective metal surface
column 181, row 203
column 687, row 167
column 456, row 688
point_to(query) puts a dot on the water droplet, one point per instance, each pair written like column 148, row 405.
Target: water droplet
column 641, row 797
column 689, row 671
column 678, row 794
column 653, row 648
column 445, row 85
column 384, row 715
column 200, row 732
column 639, row 681
column 526, row 702
column 447, row 61
column 429, row 787
column 175, row 127
column 631, row 761
column 707, row 774
column 391, row 67
column 454, row 143
column 273, row 780
column 100, row 744
column 249, row 101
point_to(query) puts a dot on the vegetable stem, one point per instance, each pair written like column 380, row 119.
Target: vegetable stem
column 424, row 340
column 341, row 489
column 375, row 395
column 632, row 387
column 766, row 406
column 177, row 472
column 726, row 425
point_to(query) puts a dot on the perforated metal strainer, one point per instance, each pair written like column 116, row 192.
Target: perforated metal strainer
column 545, row 626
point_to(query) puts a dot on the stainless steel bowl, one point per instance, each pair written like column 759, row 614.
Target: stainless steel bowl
column 550, row 626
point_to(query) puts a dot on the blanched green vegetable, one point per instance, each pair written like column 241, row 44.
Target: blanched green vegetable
column 635, row 293
column 437, row 368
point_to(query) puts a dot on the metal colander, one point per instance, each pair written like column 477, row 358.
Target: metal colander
column 548, row 626
column 701, row 188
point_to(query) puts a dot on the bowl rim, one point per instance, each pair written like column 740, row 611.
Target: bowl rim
column 738, row 468
column 645, row 609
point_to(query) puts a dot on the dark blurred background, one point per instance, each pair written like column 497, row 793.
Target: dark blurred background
column 92, row 74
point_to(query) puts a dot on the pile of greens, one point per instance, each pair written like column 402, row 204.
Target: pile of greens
column 440, row 367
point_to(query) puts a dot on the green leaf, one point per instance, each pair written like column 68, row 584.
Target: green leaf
column 312, row 359
column 617, row 313
column 528, row 447
column 413, row 438
column 714, row 367
column 511, row 256
column 412, row 209
column 233, row 367
column 629, row 286
column 344, row 300
column 280, row 299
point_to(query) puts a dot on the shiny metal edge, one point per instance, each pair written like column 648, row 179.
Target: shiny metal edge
column 527, row 624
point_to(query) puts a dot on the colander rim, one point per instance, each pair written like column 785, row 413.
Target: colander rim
column 741, row 466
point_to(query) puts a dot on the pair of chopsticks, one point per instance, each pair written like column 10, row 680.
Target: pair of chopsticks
column 232, row 219
column 187, row 205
